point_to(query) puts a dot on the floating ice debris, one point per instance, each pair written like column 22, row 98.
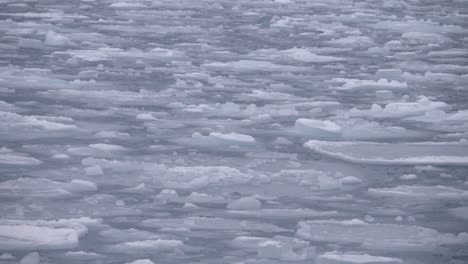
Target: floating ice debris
column 424, row 153
column 245, row 203
column 43, row 235
column 354, row 258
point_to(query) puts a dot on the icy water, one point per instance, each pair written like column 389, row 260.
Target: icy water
column 287, row 131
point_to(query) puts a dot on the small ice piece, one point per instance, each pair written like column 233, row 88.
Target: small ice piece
column 88, row 74
column 141, row 261
column 145, row 116
column 43, row 235
column 408, row 177
column 107, row 147
column 145, row 246
column 167, row 195
column 422, row 153
column 55, row 39
column 388, row 237
column 234, row 137
column 354, row 258
column 282, row 141
column 60, row 156
column 43, row 188
column 81, row 186
column 31, row 258
column 350, row 180
column 384, row 95
column 245, row 203
column 95, row 170
column 317, row 128
column 389, row 74
column 19, row 160
column 270, row 249
column 82, row 255
column 421, row 192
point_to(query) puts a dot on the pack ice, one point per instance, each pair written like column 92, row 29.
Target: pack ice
column 247, row 131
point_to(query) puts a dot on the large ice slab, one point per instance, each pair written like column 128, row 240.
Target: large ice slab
column 354, row 258
column 43, row 235
column 423, row 153
column 44, row 188
column 382, row 237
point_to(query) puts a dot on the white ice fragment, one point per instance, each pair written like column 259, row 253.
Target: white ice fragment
column 60, row 156
column 350, row 180
column 423, row 153
column 145, row 116
column 304, row 55
column 31, row 258
column 43, row 188
column 88, row 74
column 95, row 170
column 389, row 74
column 354, row 258
column 43, row 235
column 408, row 177
column 82, row 255
column 317, row 128
column 141, row 261
column 384, row 94
column 245, row 203
column 235, row 137
column 421, row 192
column 107, row 147
column 18, row 160
column 56, row 39
column 81, row 186
column 145, row 246
column 399, row 109
column 270, row 249
column 388, row 237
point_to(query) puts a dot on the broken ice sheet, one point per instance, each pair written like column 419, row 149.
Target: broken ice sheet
column 182, row 125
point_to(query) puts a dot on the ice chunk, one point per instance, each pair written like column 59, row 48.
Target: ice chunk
column 245, row 203
column 317, row 128
column 141, row 261
column 304, row 55
column 95, row 170
column 147, row 246
column 235, row 137
column 43, row 235
column 421, row 192
column 424, row 153
column 408, row 177
column 352, row 84
column 199, row 177
column 210, row 223
column 350, row 180
column 31, row 258
column 389, row 74
column 354, row 258
column 56, row 39
column 250, row 65
column 43, row 188
column 399, row 109
column 283, row 213
column 18, row 160
column 388, row 237
column 82, row 255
